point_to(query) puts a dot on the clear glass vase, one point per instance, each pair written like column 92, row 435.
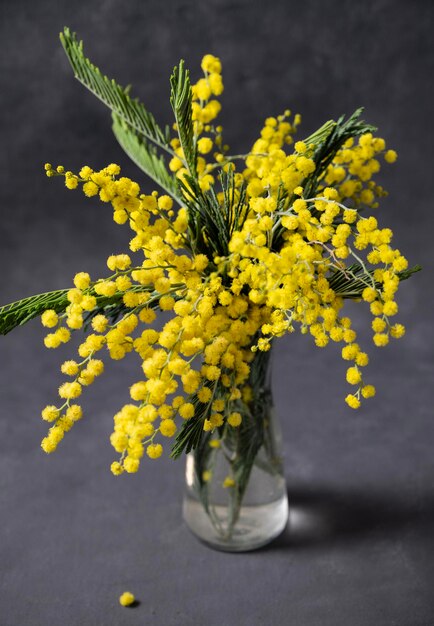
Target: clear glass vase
column 235, row 497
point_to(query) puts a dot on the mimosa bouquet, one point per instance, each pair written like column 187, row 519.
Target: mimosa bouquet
column 240, row 250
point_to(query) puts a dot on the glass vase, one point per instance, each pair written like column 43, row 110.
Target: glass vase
column 235, row 498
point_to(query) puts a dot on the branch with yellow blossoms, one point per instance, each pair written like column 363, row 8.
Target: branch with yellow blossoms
column 240, row 250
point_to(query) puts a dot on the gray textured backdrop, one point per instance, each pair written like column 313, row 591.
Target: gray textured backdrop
column 359, row 550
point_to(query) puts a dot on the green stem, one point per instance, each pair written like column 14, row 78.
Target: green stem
column 239, row 447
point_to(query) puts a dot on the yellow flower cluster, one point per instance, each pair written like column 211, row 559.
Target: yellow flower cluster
column 277, row 273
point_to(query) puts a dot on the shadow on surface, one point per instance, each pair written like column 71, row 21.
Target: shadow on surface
column 319, row 516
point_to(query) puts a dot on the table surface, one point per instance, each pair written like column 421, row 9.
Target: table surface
column 359, row 547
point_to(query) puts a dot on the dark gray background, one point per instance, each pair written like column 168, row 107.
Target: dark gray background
column 359, row 550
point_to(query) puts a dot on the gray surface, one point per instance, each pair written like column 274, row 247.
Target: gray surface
column 359, row 550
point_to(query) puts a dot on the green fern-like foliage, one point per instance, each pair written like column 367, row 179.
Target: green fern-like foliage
column 327, row 145
column 350, row 282
column 213, row 221
column 22, row 311
column 115, row 97
column 181, row 99
column 145, row 156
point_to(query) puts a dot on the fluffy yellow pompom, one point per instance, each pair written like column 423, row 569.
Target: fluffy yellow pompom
column 127, row 598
